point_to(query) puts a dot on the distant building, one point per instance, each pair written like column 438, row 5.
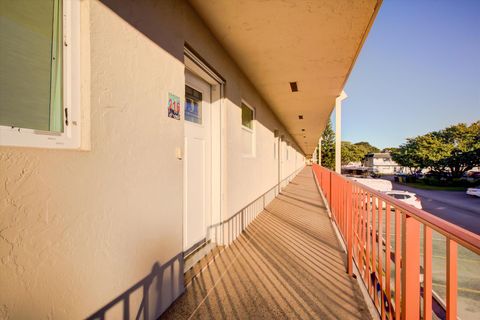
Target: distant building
column 381, row 162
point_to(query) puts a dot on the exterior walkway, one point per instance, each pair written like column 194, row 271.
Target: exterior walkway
column 287, row 264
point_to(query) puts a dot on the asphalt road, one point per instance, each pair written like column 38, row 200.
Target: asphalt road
column 454, row 206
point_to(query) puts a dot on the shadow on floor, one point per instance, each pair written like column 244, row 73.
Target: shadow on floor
column 288, row 263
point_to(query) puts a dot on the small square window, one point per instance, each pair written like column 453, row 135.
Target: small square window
column 247, row 116
column 248, row 132
column 193, row 105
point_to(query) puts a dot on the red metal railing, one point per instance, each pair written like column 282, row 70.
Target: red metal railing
column 367, row 221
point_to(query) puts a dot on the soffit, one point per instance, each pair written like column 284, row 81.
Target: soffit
column 314, row 43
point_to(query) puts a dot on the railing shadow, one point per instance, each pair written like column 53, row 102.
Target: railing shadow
column 286, row 264
column 158, row 294
column 157, row 288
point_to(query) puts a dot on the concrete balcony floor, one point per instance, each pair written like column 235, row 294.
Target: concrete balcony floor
column 287, row 264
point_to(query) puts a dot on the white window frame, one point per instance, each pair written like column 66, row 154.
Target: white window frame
column 70, row 137
column 250, row 131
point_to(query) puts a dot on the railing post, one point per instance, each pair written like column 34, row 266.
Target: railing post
column 330, row 188
column 398, row 218
column 243, row 221
column 451, row 280
column 349, row 229
column 410, row 268
column 427, row 272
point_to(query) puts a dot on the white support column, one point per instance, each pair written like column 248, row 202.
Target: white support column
column 338, row 131
column 320, row 151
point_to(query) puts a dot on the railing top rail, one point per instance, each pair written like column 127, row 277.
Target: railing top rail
column 462, row 236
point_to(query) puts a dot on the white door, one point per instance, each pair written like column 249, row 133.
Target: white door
column 197, row 163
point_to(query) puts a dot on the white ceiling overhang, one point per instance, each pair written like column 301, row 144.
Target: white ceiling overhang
column 314, row 43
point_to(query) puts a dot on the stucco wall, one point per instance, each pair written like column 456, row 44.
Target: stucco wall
column 79, row 228
column 246, row 177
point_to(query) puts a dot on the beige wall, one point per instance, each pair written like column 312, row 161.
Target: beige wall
column 79, row 228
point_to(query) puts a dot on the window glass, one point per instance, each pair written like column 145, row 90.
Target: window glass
column 247, row 116
column 31, row 64
column 193, row 105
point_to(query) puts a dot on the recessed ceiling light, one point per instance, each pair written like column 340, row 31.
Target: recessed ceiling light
column 293, row 86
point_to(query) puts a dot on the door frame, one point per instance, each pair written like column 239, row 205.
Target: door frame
column 197, row 66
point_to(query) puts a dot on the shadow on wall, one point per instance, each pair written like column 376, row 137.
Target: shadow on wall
column 143, row 15
column 152, row 19
column 154, row 294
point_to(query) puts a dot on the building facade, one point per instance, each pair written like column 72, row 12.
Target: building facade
column 381, row 162
column 139, row 130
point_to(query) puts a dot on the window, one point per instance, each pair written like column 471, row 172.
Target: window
column 193, row 105
column 247, row 116
column 37, row 104
column 248, row 130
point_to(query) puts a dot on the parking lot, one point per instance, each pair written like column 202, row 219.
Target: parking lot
column 454, row 206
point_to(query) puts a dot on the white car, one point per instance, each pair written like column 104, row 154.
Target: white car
column 381, row 185
column 407, row 197
column 473, row 192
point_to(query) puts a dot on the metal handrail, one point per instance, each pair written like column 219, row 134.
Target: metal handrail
column 464, row 237
column 358, row 212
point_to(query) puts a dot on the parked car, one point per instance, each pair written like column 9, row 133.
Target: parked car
column 406, row 196
column 376, row 184
column 473, row 192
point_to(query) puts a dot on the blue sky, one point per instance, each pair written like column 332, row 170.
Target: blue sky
column 418, row 71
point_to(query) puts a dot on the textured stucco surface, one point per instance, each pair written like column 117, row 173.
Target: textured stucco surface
column 78, row 228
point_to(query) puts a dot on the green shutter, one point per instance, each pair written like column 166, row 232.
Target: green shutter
column 56, row 79
column 31, row 64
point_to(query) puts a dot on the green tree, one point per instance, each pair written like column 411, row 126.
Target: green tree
column 351, row 153
column 405, row 155
column 356, row 152
column 455, row 149
column 328, row 147
column 463, row 145
column 365, row 148
column 388, row 150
